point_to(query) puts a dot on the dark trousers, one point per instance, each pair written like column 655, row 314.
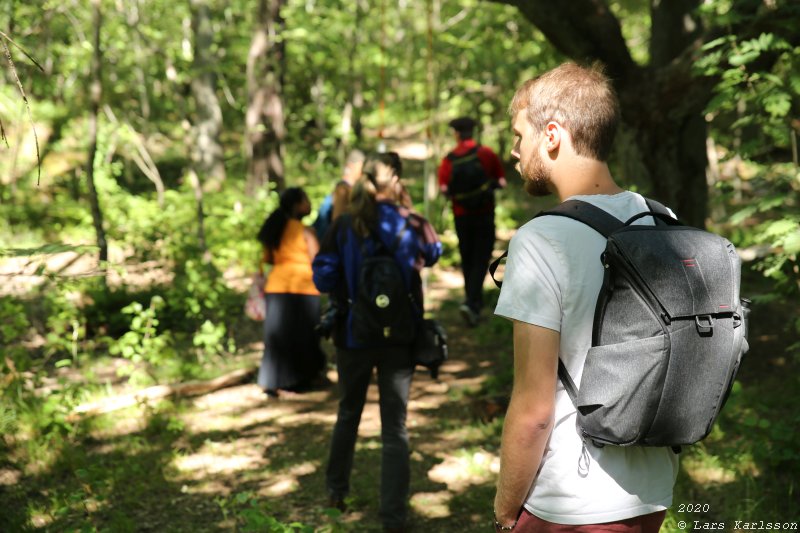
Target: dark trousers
column 395, row 370
column 475, row 244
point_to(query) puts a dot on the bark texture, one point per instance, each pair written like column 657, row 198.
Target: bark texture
column 96, row 93
column 266, row 129
column 207, row 152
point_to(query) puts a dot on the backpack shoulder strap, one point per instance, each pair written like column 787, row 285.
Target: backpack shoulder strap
column 566, row 380
column 657, row 207
column 472, row 152
column 584, row 212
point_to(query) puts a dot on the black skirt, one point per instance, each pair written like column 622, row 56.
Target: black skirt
column 292, row 357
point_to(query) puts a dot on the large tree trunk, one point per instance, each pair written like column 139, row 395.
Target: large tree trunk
column 661, row 145
column 207, row 152
column 266, row 129
column 96, row 93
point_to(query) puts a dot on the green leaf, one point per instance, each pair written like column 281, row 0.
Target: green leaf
column 780, row 227
column 63, row 362
column 791, row 245
column 743, row 58
column 778, row 104
column 716, row 42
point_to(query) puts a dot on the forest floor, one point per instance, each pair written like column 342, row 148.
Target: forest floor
column 235, row 460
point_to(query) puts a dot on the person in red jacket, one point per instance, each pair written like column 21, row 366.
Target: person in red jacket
column 468, row 176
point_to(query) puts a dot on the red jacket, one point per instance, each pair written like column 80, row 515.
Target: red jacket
column 490, row 162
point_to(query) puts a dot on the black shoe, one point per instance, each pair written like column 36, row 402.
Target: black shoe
column 337, row 503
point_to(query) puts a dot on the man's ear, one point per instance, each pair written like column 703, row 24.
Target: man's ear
column 553, row 135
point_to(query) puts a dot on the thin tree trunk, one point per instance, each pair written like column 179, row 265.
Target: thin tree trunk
column 264, row 120
column 141, row 79
column 96, row 93
column 207, row 153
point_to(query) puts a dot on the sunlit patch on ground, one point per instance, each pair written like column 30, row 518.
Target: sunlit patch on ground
column 432, row 504
column 461, row 470
column 707, row 473
column 9, row 477
column 213, row 487
column 287, row 482
column 201, row 464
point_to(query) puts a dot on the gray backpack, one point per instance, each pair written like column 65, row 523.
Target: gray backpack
column 669, row 331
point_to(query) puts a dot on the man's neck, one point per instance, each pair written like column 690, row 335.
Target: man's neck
column 584, row 176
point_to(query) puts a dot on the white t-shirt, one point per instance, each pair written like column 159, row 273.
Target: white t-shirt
column 552, row 278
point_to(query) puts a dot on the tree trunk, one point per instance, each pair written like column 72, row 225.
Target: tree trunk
column 134, row 20
column 661, row 145
column 266, row 129
column 96, row 93
column 207, row 153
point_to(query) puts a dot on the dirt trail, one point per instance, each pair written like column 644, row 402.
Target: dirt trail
column 237, row 441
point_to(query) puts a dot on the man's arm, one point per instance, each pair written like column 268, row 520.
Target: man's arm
column 445, row 169
column 529, row 419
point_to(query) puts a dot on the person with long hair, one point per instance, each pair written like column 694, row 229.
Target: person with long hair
column 293, row 359
column 375, row 220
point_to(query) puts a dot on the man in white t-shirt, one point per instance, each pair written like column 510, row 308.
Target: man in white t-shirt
column 550, row 479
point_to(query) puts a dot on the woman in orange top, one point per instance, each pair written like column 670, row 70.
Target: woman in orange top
column 293, row 359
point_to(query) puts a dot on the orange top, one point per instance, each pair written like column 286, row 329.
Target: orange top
column 291, row 271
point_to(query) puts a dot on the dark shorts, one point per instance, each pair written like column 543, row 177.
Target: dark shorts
column 649, row 523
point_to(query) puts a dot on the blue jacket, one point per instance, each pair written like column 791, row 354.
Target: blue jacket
column 336, row 266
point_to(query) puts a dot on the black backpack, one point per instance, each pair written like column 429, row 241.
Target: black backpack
column 384, row 313
column 469, row 185
column 669, row 331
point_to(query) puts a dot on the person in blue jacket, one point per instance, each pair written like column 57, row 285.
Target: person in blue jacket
column 374, row 215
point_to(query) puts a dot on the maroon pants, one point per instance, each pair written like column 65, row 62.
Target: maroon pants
column 649, row 523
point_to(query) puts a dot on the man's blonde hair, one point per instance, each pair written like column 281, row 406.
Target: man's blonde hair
column 581, row 99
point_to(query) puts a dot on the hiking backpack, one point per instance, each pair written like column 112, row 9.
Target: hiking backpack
column 668, row 335
column 383, row 310
column 469, row 185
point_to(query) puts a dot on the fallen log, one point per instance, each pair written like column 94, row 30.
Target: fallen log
column 158, row 392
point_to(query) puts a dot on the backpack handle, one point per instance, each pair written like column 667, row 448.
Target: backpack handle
column 657, row 217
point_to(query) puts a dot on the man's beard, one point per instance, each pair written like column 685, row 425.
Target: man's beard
column 536, row 176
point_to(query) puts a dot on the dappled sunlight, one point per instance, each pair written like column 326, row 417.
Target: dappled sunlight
column 231, row 398
column 463, row 469
column 432, row 504
column 213, row 487
column 286, row 482
column 301, row 419
column 9, row 477
column 125, row 423
column 454, row 366
column 705, row 475
column 201, row 464
column 225, row 457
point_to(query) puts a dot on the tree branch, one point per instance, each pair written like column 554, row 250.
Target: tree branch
column 582, row 30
